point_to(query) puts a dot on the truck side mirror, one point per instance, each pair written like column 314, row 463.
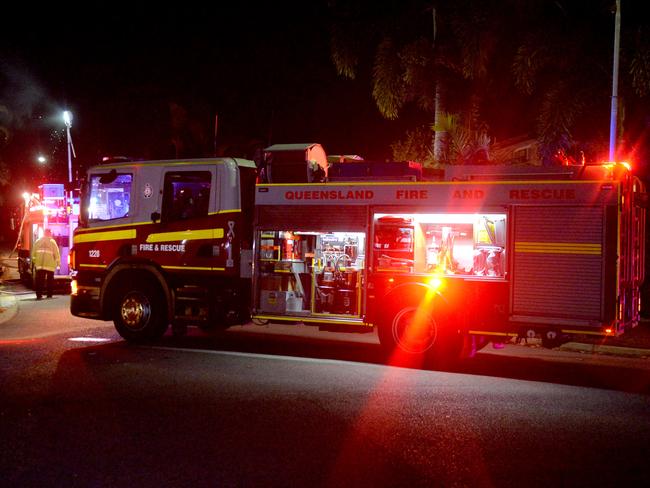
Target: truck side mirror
column 155, row 216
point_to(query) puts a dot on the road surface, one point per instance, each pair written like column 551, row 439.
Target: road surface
column 254, row 407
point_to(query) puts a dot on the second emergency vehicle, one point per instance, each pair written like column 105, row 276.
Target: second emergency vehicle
column 49, row 208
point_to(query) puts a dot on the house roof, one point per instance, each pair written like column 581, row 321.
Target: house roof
column 301, row 146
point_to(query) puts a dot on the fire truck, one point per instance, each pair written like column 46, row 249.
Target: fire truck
column 49, row 208
column 437, row 267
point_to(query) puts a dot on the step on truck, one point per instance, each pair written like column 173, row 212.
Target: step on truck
column 439, row 266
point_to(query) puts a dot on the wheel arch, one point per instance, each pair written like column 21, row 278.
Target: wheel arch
column 123, row 269
column 411, row 289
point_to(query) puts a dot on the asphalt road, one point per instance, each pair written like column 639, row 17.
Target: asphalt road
column 257, row 407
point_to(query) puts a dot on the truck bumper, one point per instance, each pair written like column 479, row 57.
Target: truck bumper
column 84, row 302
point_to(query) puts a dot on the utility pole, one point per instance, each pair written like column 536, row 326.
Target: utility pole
column 67, row 119
column 614, row 112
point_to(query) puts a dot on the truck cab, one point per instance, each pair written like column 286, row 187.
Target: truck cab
column 163, row 242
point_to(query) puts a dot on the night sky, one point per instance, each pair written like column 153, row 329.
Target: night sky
column 128, row 71
column 264, row 69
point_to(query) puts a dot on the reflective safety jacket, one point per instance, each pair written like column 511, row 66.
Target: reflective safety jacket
column 45, row 254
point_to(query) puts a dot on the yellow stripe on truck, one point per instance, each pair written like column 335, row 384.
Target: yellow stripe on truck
column 558, row 248
column 186, row 235
column 111, row 235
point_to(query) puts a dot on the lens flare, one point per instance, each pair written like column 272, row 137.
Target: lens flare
column 415, row 330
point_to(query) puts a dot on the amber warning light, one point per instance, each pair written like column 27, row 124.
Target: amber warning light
column 435, row 282
column 613, row 164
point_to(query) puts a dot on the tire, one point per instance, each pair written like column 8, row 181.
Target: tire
column 552, row 339
column 139, row 312
column 409, row 327
column 418, row 332
column 404, row 332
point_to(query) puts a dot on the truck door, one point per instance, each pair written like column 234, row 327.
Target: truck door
column 184, row 238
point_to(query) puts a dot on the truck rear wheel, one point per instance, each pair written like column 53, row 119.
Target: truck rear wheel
column 419, row 332
column 410, row 327
column 139, row 313
column 410, row 332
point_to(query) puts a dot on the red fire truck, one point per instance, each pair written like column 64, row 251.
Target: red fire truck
column 438, row 268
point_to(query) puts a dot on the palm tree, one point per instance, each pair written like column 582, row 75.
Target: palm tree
column 419, row 50
column 554, row 58
column 564, row 66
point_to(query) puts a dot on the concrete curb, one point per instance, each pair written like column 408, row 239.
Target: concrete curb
column 629, row 352
column 9, row 308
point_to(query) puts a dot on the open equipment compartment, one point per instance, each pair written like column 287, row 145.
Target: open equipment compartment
column 310, row 273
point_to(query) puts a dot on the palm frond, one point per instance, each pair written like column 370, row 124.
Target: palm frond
column 414, row 57
column 344, row 51
column 387, row 77
column 555, row 121
column 447, row 122
column 640, row 71
column 530, row 58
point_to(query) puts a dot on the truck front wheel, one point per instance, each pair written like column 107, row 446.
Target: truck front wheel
column 139, row 313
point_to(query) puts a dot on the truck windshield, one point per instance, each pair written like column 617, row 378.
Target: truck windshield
column 108, row 201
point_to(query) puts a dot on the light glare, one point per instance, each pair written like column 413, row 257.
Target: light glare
column 88, row 339
column 67, row 118
column 435, row 282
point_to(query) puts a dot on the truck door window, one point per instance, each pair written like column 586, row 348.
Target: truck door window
column 186, row 195
column 108, row 201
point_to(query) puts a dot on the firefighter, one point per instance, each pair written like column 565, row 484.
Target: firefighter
column 46, row 259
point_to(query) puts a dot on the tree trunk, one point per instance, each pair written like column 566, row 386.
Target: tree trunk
column 441, row 138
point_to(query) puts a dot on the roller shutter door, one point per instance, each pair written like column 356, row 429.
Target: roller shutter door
column 312, row 217
column 558, row 262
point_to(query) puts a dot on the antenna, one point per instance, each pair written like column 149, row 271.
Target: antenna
column 216, row 125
